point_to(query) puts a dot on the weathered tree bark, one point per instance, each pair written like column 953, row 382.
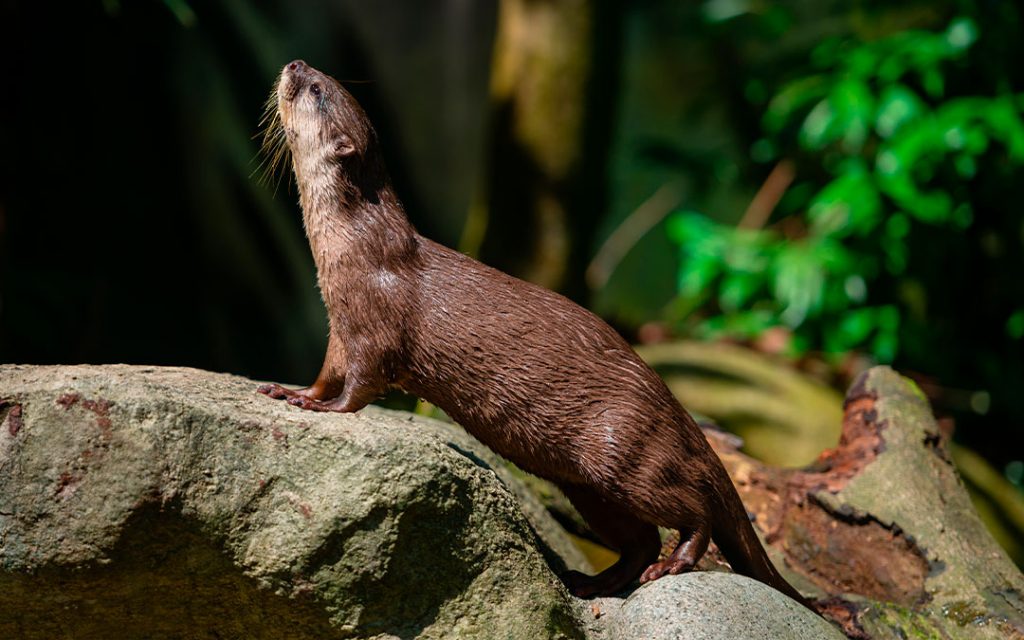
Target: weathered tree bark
column 880, row 529
column 542, row 159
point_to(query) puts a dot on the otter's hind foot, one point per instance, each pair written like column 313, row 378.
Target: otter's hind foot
column 684, row 558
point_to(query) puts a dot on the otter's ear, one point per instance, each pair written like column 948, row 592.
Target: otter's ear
column 343, row 145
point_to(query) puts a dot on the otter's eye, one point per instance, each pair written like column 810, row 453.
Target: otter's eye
column 315, row 90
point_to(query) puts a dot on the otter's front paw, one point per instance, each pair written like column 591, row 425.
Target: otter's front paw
column 308, row 404
column 275, row 391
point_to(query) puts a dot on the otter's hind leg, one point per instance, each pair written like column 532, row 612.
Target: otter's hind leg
column 692, row 545
column 636, row 541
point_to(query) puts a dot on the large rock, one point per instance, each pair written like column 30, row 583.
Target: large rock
column 174, row 503
column 141, row 502
column 708, row 605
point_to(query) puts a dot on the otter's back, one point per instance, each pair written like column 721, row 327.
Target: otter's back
column 526, row 370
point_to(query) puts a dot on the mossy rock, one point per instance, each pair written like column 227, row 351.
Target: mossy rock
column 150, row 502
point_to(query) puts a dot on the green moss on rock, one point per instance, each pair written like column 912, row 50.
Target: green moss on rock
column 175, row 503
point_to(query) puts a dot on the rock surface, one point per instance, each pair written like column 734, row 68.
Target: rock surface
column 709, row 605
column 173, row 503
column 144, row 502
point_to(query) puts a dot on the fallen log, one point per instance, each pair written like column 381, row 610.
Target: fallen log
column 880, row 530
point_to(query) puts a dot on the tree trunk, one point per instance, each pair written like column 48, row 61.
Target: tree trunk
column 880, row 529
column 527, row 213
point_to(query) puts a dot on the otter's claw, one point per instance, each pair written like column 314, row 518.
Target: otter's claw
column 310, row 404
column 665, row 568
column 302, row 403
column 275, row 391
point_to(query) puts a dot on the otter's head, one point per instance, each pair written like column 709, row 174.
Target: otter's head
column 314, row 118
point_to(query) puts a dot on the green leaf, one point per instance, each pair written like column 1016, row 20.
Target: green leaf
column 696, row 273
column 886, row 342
column 933, row 82
column 738, row 288
column 885, row 346
column 892, row 244
column 915, row 147
column 854, row 327
column 687, row 227
column 862, row 62
column 743, row 324
column 828, row 54
column 792, row 98
column 1004, row 117
column 897, row 226
column 845, row 115
column 855, row 288
column 818, row 125
column 702, row 245
column 748, row 250
column 966, row 167
column 889, row 317
column 855, row 108
column 798, row 283
column 850, row 204
column 895, row 256
column 897, row 106
column 962, row 33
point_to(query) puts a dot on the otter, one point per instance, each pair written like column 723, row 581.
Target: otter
column 535, row 377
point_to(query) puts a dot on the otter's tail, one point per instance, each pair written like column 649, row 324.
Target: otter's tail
column 735, row 537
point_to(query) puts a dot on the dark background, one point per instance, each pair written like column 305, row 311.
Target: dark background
column 132, row 228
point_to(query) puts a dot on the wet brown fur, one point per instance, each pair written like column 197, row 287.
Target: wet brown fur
column 542, row 381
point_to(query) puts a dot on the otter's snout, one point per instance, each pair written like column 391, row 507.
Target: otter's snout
column 293, row 78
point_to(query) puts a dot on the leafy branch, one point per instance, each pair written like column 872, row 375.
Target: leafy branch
column 887, row 151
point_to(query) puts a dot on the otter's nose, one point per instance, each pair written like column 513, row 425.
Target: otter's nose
column 297, row 66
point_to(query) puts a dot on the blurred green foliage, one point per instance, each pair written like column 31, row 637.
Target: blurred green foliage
column 895, row 151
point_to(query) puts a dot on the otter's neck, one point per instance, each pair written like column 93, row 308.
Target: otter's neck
column 353, row 222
